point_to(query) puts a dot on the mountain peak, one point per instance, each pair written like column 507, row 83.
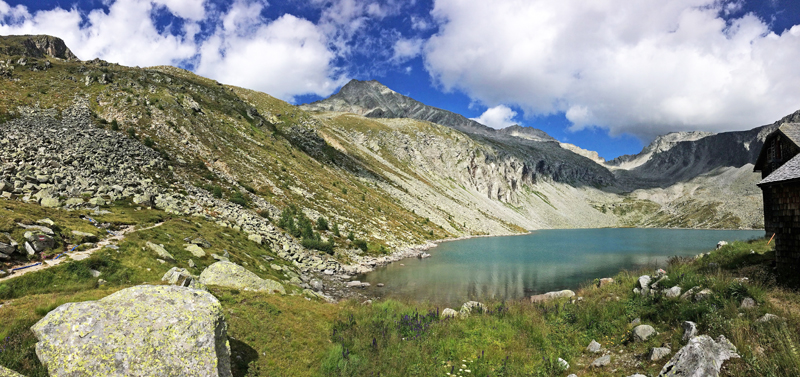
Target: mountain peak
column 36, row 46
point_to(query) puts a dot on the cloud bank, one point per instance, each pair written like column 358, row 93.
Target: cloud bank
column 643, row 67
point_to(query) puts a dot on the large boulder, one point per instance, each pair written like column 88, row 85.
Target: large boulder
column 231, row 275
column 138, row 331
column 701, row 357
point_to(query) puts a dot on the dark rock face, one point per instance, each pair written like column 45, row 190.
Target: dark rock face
column 37, row 46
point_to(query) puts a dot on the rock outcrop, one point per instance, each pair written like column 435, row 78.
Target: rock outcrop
column 231, row 275
column 140, row 331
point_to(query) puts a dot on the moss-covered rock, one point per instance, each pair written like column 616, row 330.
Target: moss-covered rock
column 139, row 331
column 231, row 275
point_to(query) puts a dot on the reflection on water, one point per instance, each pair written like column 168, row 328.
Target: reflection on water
column 519, row 266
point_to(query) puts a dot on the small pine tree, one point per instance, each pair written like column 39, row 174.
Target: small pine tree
column 351, row 236
column 114, row 125
column 336, row 230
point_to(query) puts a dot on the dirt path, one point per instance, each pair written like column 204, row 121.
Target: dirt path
column 80, row 255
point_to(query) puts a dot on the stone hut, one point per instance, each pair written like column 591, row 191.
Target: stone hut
column 779, row 164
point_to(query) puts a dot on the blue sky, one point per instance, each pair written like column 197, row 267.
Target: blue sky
column 607, row 76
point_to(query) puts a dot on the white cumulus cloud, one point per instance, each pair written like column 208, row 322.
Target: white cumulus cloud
column 639, row 66
column 405, row 49
column 285, row 57
column 500, row 116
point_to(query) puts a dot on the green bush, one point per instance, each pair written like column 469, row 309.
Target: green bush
column 336, row 230
column 322, row 223
column 216, row 191
column 316, row 244
column 148, row 142
column 132, row 132
column 361, row 244
column 114, row 125
column 239, row 199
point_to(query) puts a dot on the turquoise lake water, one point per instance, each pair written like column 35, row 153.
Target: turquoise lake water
column 546, row 260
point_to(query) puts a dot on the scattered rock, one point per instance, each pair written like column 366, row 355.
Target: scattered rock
column 703, row 295
column 689, row 330
column 181, row 277
column 353, row 284
column 255, row 238
column 160, row 251
column 191, row 263
column 200, row 241
column 601, row 361
column 644, row 281
column 471, row 306
column 594, row 347
column 701, row 357
column 138, row 331
column 643, row 332
column 673, row 292
column 720, row 244
column 688, row 294
column 747, row 303
column 316, row 284
column 563, row 364
column 659, row 353
column 101, row 282
column 449, row 313
column 227, row 274
column 636, row 321
column 767, row 317
column 605, row 281
column 637, row 375
column 379, row 285
column 40, row 242
column 197, row 251
column 552, row 295
column 220, row 258
column 95, row 273
column 84, row 237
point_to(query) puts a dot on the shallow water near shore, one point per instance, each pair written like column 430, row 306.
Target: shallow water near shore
column 513, row 267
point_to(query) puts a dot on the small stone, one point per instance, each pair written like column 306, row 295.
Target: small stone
column 688, row 294
column 601, row 361
column 659, row 353
column 703, row 295
column 160, row 251
column 594, row 347
column 767, row 317
column 191, row 264
column 101, row 282
column 95, row 273
column 644, row 281
column 354, row 284
column 449, row 313
column 197, row 251
column 643, row 332
column 563, row 364
column 379, row 285
column 673, row 292
column 720, row 244
column 636, row 321
column 605, row 281
column 255, row 238
column 748, row 303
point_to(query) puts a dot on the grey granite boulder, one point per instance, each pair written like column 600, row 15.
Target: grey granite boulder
column 701, row 357
column 748, row 303
column 658, row 353
column 552, row 295
column 643, row 332
column 231, row 275
column 197, row 251
column 470, row 307
column 138, row 331
column 673, row 292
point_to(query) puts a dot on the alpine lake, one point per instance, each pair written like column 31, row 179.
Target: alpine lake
column 514, row 267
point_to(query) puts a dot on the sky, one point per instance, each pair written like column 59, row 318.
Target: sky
column 606, row 75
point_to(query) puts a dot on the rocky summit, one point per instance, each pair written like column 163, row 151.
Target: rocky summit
column 139, row 331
